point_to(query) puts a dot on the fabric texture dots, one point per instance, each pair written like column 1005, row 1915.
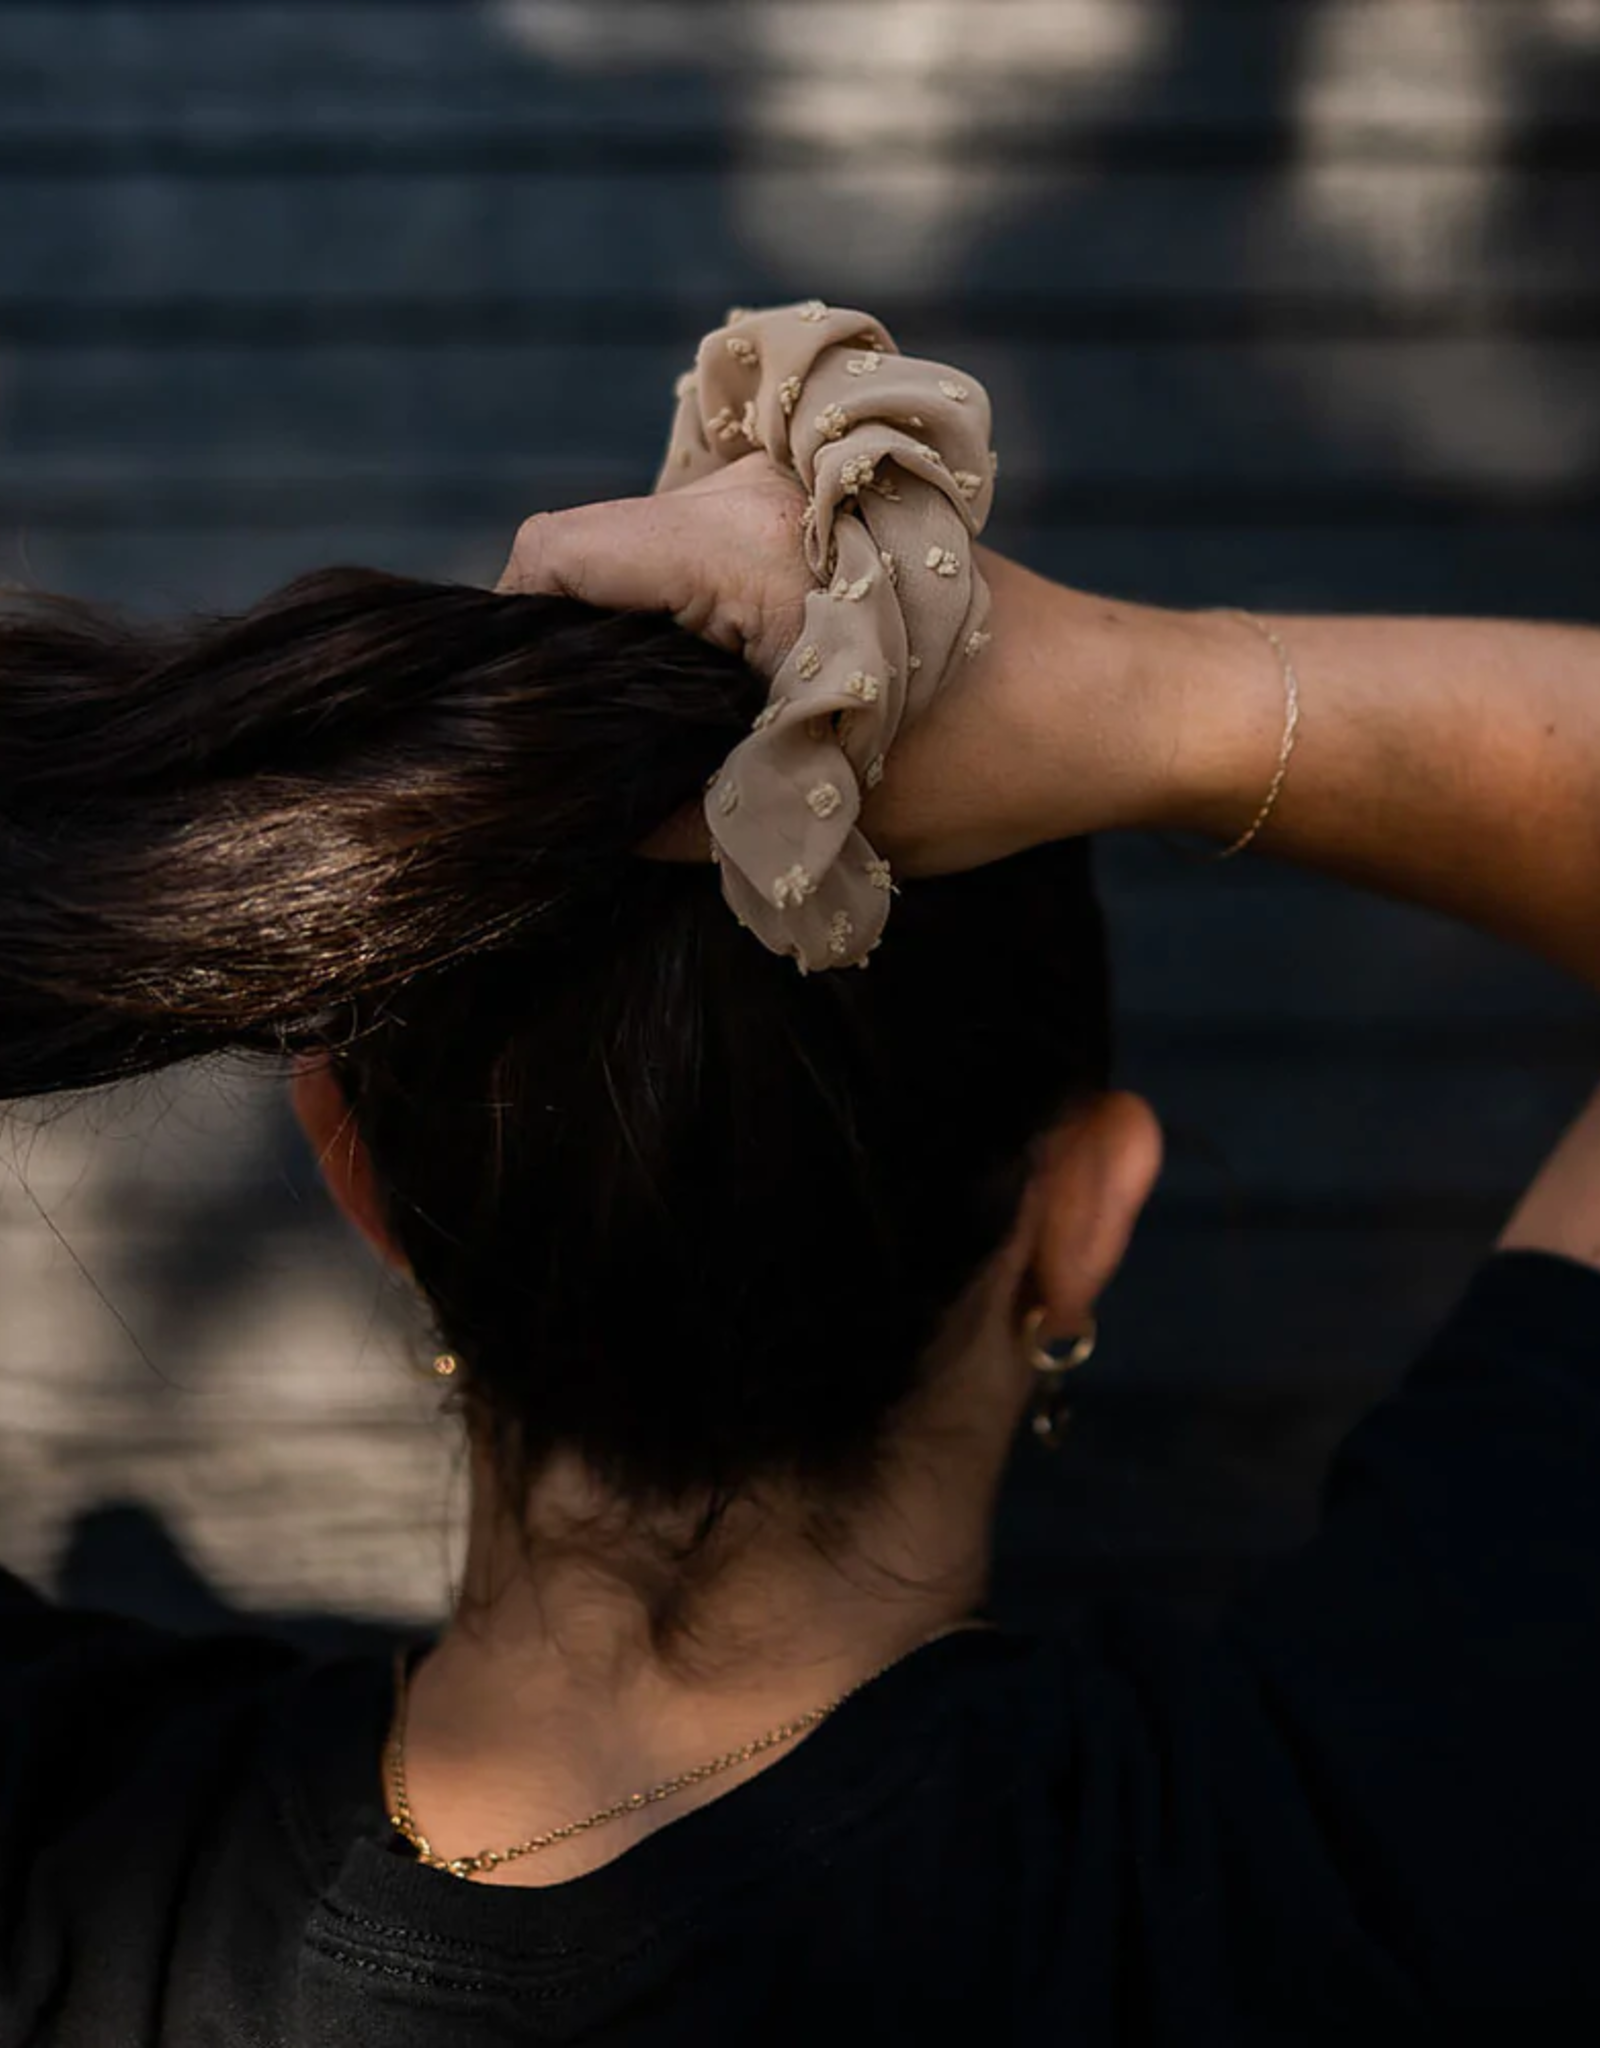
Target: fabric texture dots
column 895, row 456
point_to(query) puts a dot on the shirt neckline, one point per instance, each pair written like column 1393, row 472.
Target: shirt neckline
column 331, row 1794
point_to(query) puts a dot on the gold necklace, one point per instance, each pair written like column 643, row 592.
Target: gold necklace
column 403, row 1821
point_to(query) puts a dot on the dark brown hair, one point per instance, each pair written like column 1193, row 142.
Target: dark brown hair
column 677, row 1207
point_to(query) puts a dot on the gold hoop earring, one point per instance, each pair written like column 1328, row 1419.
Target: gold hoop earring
column 1050, row 1412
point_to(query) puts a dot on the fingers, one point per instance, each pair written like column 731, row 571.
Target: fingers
column 718, row 555
column 552, row 554
column 620, row 553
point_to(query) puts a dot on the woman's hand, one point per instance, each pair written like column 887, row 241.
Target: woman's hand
column 723, row 555
column 1042, row 735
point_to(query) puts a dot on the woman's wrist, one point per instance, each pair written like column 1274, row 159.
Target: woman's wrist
column 1127, row 715
column 1215, row 706
column 1076, row 717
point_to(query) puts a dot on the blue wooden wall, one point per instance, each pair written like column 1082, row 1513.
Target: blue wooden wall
column 1285, row 305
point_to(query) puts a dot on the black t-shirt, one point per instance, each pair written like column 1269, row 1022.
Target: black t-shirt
column 1363, row 1807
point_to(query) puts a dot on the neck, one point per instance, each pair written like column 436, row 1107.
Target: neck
column 542, row 1638
column 549, row 1696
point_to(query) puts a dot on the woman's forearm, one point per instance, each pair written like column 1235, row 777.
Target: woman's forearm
column 1452, row 761
column 1455, row 762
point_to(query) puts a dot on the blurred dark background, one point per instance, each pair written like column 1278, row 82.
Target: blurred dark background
column 1282, row 303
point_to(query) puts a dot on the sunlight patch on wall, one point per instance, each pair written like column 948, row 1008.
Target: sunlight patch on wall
column 1401, row 113
column 1573, row 22
column 282, row 1430
column 920, row 77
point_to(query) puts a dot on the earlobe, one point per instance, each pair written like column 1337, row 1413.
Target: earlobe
column 329, row 1125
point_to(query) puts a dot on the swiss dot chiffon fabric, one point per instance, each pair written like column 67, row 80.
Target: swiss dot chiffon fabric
column 894, row 455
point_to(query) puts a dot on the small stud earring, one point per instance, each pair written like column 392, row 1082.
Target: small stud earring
column 1050, row 1413
column 446, row 1365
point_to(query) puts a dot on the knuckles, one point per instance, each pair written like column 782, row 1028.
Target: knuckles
column 521, row 572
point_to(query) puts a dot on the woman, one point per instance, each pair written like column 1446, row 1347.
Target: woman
column 749, row 1278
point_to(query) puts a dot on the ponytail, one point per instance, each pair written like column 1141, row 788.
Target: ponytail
column 225, row 836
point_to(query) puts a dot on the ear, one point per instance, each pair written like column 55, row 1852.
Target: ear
column 1099, row 1168
column 343, row 1160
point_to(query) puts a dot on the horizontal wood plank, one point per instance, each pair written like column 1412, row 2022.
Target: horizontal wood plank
column 1078, row 312
column 83, row 429
column 1272, row 953
column 430, row 147
column 1381, row 565
column 1461, row 1137
column 801, row 65
column 1418, row 231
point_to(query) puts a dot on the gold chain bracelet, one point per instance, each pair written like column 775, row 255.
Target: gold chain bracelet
column 1291, row 725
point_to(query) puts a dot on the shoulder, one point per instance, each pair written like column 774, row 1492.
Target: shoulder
column 47, row 1647
column 90, row 1700
column 1524, row 1299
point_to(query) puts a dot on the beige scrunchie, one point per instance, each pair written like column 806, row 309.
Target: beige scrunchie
column 894, row 455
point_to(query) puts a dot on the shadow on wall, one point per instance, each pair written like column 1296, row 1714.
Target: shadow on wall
column 121, row 1559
